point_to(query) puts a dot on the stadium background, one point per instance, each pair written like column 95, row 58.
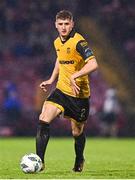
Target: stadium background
column 27, row 57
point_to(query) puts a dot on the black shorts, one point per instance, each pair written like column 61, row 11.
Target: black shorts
column 72, row 107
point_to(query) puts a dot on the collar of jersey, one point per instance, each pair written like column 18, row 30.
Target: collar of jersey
column 71, row 34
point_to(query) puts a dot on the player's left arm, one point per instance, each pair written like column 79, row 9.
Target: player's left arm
column 90, row 66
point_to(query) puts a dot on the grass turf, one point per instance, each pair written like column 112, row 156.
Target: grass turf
column 105, row 158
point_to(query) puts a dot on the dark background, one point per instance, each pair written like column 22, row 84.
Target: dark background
column 27, row 58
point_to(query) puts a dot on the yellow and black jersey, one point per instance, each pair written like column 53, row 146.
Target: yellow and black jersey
column 72, row 55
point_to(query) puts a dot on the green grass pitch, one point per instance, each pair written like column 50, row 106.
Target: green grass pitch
column 105, row 159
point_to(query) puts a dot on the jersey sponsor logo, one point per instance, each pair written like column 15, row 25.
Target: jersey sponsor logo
column 57, row 49
column 66, row 62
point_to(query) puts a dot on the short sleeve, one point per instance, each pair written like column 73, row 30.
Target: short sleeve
column 84, row 50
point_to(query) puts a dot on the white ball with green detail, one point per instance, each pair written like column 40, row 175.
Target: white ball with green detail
column 31, row 163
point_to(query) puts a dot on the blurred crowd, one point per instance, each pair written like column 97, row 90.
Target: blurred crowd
column 27, row 57
column 117, row 17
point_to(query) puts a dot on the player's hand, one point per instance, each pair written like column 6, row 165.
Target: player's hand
column 74, row 86
column 45, row 84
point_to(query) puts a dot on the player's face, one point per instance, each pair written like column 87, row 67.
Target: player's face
column 64, row 27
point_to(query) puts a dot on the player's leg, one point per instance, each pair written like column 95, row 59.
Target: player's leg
column 49, row 112
column 79, row 136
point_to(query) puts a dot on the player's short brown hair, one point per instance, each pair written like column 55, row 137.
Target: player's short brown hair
column 64, row 14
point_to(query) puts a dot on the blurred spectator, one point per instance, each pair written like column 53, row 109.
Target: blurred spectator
column 11, row 105
column 110, row 111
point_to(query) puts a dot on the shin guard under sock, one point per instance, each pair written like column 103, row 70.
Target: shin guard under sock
column 42, row 138
column 79, row 146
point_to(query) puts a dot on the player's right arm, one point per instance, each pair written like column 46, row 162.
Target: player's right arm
column 54, row 75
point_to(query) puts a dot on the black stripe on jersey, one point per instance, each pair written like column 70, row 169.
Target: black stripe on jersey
column 83, row 49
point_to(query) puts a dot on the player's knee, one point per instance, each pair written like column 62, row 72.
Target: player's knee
column 76, row 133
column 43, row 118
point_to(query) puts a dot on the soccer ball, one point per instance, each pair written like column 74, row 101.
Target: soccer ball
column 31, row 163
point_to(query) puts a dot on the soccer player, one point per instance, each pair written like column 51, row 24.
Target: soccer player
column 75, row 61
